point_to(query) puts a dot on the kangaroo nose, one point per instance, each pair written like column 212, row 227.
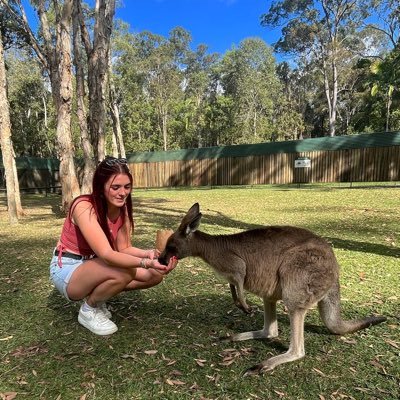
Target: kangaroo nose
column 162, row 260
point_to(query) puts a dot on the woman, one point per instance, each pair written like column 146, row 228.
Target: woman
column 94, row 258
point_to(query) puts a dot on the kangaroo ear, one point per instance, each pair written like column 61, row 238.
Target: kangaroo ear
column 193, row 225
column 191, row 220
column 194, row 210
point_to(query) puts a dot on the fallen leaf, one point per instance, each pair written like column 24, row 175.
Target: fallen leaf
column 227, row 363
column 28, row 351
column 150, row 371
column 392, row 343
column 8, row 395
column 175, row 372
column 150, row 352
column 174, row 382
column 319, row 372
column 128, row 356
column 6, row 338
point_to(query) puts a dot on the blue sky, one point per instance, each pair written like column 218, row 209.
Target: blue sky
column 220, row 24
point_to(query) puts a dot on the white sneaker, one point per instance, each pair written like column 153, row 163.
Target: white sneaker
column 103, row 308
column 96, row 322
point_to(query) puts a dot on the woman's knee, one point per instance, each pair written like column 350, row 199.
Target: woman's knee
column 124, row 277
column 157, row 279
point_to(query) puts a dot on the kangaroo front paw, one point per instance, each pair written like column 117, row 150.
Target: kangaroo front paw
column 246, row 308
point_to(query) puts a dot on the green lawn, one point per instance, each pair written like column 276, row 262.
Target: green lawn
column 167, row 345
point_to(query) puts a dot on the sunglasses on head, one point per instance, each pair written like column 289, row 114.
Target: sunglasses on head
column 111, row 161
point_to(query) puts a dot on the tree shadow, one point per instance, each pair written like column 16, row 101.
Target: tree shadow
column 365, row 247
column 154, row 211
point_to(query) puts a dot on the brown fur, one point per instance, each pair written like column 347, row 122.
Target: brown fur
column 276, row 263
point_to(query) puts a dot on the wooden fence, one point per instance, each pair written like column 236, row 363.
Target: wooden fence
column 371, row 157
column 370, row 164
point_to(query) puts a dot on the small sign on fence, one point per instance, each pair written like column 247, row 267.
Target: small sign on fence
column 302, row 162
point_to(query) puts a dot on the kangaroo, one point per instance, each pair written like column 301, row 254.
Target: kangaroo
column 276, row 263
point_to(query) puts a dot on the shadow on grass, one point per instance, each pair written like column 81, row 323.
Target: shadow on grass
column 365, row 247
column 154, row 211
column 212, row 316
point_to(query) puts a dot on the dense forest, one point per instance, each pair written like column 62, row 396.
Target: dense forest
column 341, row 77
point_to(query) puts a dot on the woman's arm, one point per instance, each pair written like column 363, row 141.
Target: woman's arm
column 85, row 218
column 124, row 244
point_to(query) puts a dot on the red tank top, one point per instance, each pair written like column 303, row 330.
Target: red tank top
column 72, row 238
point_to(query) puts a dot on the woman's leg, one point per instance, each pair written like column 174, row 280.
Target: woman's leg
column 98, row 282
column 144, row 279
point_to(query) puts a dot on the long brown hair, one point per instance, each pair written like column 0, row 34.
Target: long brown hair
column 108, row 167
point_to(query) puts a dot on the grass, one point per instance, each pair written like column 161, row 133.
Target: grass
column 167, row 345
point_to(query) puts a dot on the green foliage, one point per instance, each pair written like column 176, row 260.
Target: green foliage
column 172, row 96
column 31, row 111
column 167, row 346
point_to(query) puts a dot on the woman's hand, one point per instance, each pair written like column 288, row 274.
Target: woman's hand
column 152, row 254
column 153, row 263
column 173, row 262
column 161, row 268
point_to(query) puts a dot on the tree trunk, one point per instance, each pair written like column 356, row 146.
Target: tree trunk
column 69, row 181
column 98, row 56
column 164, row 116
column 332, row 118
column 114, row 109
column 388, row 107
column 12, row 186
column 89, row 164
column 54, row 53
column 331, row 100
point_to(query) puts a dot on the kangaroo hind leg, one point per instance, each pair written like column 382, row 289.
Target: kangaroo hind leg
column 270, row 329
column 296, row 348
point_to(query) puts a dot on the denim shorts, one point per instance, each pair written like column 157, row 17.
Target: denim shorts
column 60, row 276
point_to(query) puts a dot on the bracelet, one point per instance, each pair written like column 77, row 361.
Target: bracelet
column 143, row 263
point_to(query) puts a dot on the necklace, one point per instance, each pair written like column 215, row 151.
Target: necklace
column 112, row 222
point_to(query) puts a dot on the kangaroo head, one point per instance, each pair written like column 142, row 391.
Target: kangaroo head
column 178, row 243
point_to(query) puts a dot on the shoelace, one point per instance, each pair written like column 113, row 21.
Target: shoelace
column 103, row 308
column 100, row 316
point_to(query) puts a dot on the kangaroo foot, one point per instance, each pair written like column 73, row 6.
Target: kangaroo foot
column 255, row 370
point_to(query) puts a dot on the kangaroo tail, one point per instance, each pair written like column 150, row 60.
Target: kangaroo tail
column 329, row 309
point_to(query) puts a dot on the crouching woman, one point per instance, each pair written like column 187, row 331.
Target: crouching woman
column 94, row 259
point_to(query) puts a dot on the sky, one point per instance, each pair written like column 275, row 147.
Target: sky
column 220, row 24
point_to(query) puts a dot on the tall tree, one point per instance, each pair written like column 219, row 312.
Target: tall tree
column 165, row 76
column 387, row 15
column 31, row 107
column 97, row 52
column 198, row 72
column 89, row 164
column 248, row 76
column 12, row 185
column 318, row 29
column 53, row 50
column 118, row 140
